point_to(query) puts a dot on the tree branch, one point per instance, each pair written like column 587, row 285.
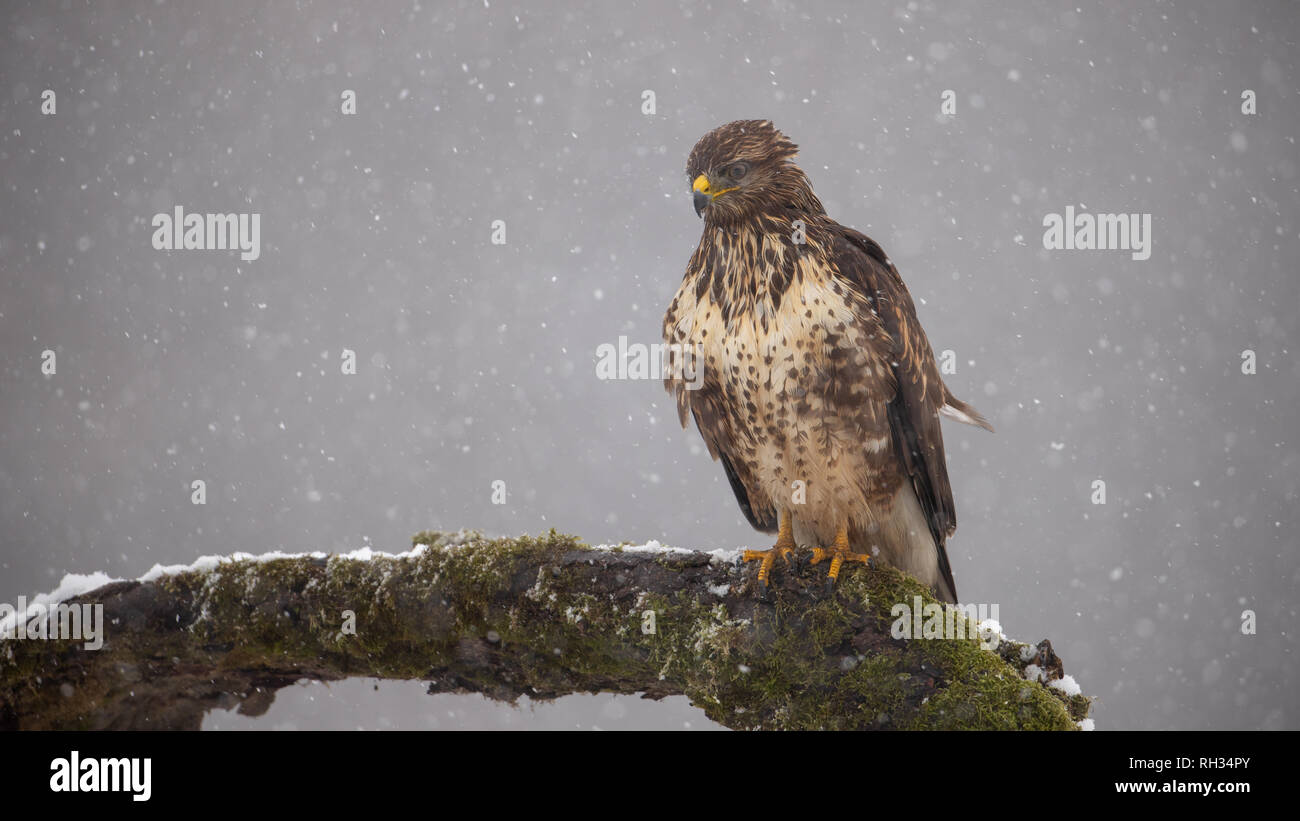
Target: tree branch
column 539, row 617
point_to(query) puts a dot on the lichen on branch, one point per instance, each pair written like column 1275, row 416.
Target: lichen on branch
column 541, row 617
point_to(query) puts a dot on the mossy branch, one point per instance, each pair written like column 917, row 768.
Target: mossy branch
column 539, row 617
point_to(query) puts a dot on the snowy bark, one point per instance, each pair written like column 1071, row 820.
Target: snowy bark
column 538, row 617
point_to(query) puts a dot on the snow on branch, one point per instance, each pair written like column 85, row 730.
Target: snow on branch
column 541, row 617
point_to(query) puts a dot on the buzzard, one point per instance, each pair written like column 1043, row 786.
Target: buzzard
column 816, row 387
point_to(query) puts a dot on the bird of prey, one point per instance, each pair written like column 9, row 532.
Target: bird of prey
column 816, row 387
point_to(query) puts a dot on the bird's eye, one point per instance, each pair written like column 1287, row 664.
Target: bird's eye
column 738, row 170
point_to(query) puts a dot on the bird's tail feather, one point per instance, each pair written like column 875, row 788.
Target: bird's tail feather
column 954, row 408
column 903, row 539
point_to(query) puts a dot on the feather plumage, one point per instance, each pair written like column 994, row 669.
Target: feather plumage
column 815, row 369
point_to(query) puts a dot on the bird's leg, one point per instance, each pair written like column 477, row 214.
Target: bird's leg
column 839, row 553
column 784, row 547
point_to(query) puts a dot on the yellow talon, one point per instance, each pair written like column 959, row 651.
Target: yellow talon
column 768, row 558
column 784, row 547
column 839, row 553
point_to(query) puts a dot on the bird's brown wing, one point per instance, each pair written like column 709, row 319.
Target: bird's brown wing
column 914, row 410
column 757, row 507
column 704, row 402
column 712, row 420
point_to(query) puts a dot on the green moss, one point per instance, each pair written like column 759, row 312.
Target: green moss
column 796, row 667
column 802, row 659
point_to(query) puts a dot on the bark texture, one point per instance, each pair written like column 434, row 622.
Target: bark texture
column 543, row 617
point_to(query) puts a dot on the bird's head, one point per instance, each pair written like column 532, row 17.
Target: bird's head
column 740, row 168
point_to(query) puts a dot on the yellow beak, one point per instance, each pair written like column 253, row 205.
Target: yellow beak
column 704, row 194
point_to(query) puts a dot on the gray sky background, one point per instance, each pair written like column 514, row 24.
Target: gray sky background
column 476, row 361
